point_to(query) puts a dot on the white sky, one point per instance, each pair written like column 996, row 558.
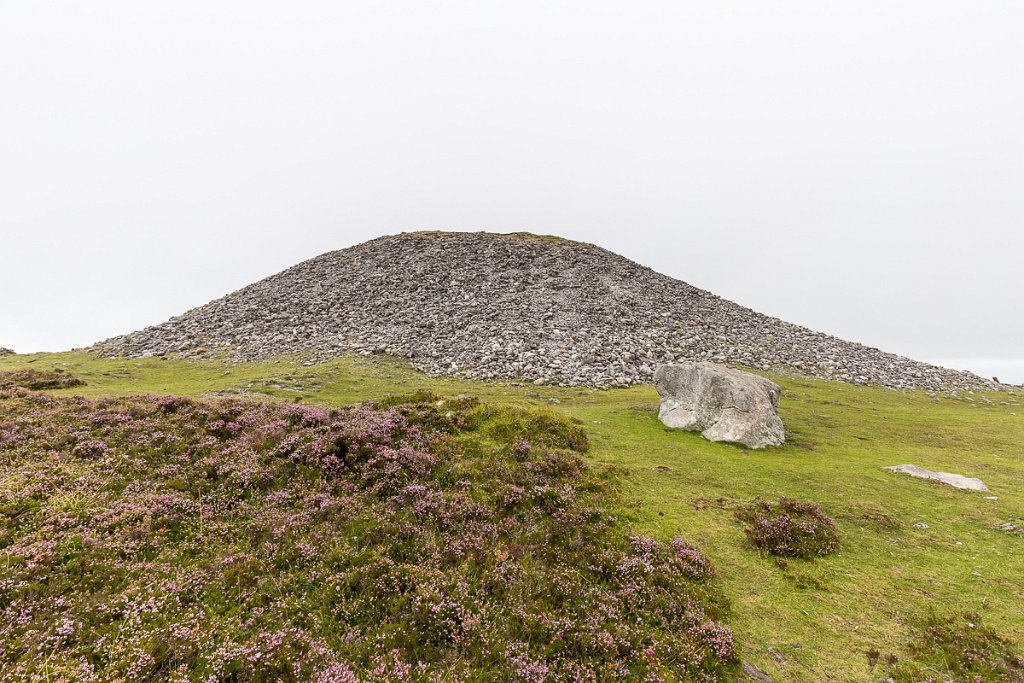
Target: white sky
column 857, row 167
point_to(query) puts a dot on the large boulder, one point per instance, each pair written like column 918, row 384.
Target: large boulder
column 721, row 403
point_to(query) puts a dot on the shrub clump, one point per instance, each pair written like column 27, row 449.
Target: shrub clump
column 792, row 528
column 962, row 647
column 36, row 380
column 170, row 539
column 4, row 351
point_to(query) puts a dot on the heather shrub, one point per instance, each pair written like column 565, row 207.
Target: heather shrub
column 171, row 539
column 4, row 351
column 792, row 528
column 963, row 649
column 36, row 380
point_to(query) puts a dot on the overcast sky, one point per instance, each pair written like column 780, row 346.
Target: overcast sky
column 857, row 167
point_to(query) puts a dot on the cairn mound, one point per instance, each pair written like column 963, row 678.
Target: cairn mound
column 517, row 306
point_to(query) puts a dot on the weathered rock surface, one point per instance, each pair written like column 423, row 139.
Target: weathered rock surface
column 721, row 403
column 957, row 480
column 522, row 307
column 753, row 672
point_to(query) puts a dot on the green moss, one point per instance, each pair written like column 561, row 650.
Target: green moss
column 509, row 423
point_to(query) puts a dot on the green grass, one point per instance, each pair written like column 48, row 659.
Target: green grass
column 516, row 236
column 820, row 616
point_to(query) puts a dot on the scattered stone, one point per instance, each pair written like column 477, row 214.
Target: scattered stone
column 921, row 525
column 954, row 480
column 513, row 307
column 755, row 673
column 721, row 403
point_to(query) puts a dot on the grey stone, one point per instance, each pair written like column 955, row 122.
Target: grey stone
column 721, row 403
column 955, row 480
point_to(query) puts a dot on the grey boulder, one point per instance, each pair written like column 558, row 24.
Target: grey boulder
column 955, row 480
column 721, row 403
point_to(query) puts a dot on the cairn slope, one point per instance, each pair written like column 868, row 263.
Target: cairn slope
column 518, row 306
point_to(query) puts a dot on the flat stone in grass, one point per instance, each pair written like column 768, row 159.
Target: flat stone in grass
column 955, row 480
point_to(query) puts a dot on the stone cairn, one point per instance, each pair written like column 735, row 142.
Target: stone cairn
column 515, row 307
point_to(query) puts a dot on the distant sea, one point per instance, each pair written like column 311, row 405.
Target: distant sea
column 1008, row 370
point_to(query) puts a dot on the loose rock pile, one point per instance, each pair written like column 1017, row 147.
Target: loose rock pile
column 522, row 307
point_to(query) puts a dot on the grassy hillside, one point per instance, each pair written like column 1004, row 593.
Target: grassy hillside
column 798, row 620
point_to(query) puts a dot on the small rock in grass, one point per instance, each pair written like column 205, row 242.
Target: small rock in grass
column 921, row 525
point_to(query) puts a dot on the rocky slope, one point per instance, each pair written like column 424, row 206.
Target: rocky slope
column 539, row 309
